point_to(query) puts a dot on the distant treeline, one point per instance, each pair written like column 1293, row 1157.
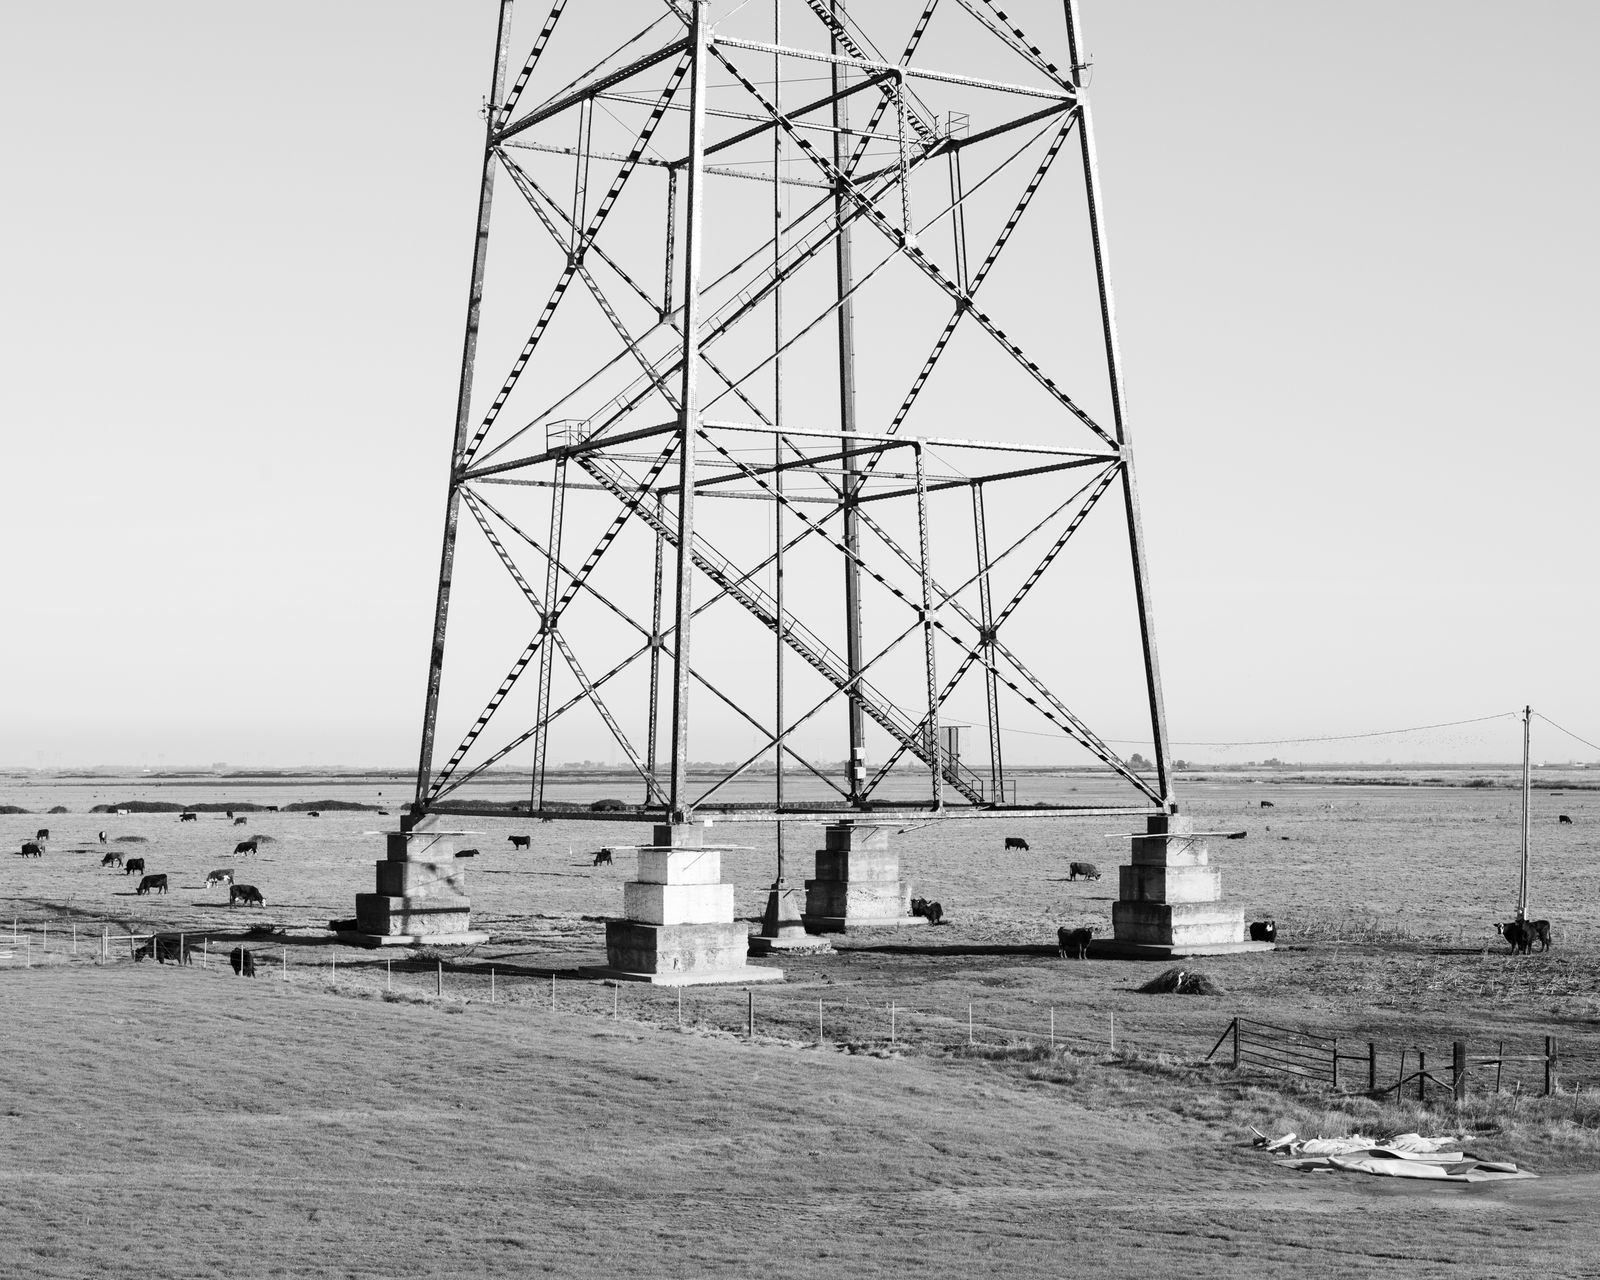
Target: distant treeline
column 225, row 806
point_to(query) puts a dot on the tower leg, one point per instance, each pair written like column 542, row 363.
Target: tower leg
column 858, row 884
column 1170, row 898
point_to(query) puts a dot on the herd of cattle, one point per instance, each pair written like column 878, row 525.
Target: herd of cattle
column 156, row 882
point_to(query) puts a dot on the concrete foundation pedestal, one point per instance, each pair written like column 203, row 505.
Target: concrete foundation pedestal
column 421, row 895
column 1170, row 898
column 858, row 884
column 782, row 927
column 679, row 928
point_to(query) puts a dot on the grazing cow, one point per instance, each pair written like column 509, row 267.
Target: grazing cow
column 466, row 853
column 243, row 962
column 247, row 894
column 244, row 847
column 102, row 837
column 1016, row 842
column 222, row 875
column 520, row 842
column 1236, row 835
column 188, row 817
column 238, row 822
column 1562, row 820
column 1074, row 940
column 932, row 912
column 132, row 865
column 111, row 860
column 315, row 813
column 1263, row 931
column 1267, row 804
column 30, row 849
column 164, row 949
column 1518, row 934
column 603, row 858
column 1538, row 931
column 42, row 835
column 158, row 883
column 1085, row 869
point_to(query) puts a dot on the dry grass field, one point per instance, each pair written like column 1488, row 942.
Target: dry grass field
column 186, row 1123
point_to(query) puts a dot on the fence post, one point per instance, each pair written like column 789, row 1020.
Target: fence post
column 1113, row 1032
column 749, row 1014
column 388, row 973
column 286, row 964
column 205, row 952
column 1372, row 1066
column 1458, row 1071
column 1052, row 1030
column 1236, row 1044
column 891, row 1024
column 680, row 1001
column 969, row 1023
column 1422, row 1076
column 819, row 1023
column 616, row 995
column 1499, row 1062
column 44, row 946
column 1400, row 1079
column 438, row 982
column 491, row 985
column 333, row 966
column 105, row 943
column 553, row 994
column 1336, row 1062
column 74, row 937
column 1549, row 1065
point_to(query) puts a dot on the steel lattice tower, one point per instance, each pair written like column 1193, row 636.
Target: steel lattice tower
column 779, row 439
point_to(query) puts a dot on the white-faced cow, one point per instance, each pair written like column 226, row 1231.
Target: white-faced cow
column 157, row 883
column 1075, row 941
column 247, row 894
column 42, row 835
column 31, row 849
column 238, row 822
column 132, row 866
column 102, row 837
column 1087, row 870
column 244, row 847
column 1016, row 842
column 222, row 875
column 1518, row 934
column 1562, row 820
column 519, row 842
column 1263, row 931
column 932, row 912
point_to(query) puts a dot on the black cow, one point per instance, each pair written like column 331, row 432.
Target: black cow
column 102, row 837
column 111, row 860
column 1562, row 820
column 230, row 813
column 603, row 858
column 466, row 853
column 520, row 842
column 247, row 894
column 1016, row 842
column 1074, row 940
column 1236, row 835
column 222, row 875
column 243, row 962
column 132, row 865
column 1539, row 931
column 932, row 912
column 158, row 883
column 315, row 813
column 1267, row 804
column 1263, row 931
column 164, row 949
column 30, row 849
column 239, row 822
column 188, row 817
column 1085, row 869
column 42, row 834
column 1518, row 934
column 243, row 847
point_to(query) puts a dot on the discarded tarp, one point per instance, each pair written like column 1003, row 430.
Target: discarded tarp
column 1406, row 1155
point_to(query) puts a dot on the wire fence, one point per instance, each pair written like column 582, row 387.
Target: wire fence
column 863, row 1020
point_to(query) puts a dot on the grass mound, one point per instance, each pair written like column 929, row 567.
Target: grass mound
column 331, row 806
column 1183, row 982
column 60, row 808
column 11, row 808
column 130, row 840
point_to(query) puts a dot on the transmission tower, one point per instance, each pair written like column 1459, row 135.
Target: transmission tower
column 790, row 429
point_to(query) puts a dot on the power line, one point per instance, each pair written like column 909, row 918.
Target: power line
column 1332, row 737
column 1568, row 732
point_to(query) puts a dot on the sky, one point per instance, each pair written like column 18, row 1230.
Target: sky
column 1355, row 269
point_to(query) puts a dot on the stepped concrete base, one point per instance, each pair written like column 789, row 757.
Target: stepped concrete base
column 1111, row 949
column 858, row 884
column 421, row 896
column 679, row 928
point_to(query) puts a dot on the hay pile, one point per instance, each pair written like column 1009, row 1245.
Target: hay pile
column 1183, row 982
